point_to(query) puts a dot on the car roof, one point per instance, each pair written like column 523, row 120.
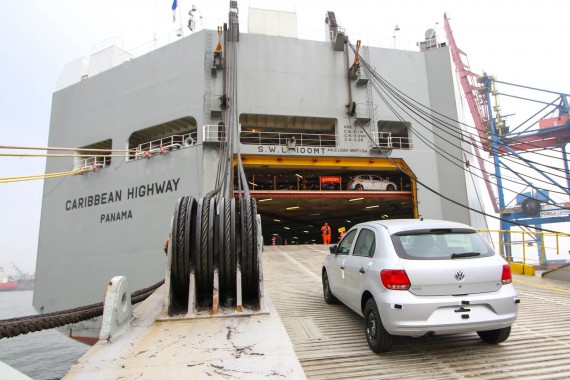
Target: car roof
column 398, row 225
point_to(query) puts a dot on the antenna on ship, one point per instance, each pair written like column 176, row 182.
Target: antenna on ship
column 192, row 19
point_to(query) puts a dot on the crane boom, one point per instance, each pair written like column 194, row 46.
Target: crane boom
column 477, row 103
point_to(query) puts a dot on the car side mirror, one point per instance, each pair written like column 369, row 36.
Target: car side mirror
column 333, row 249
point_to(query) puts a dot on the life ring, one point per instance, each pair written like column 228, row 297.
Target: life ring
column 189, row 141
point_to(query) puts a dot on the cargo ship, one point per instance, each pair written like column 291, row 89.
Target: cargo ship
column 327, row 131
column 7, row 282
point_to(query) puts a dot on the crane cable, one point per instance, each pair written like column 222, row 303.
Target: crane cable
column 400, row 95
column 415, row 178
column 390, row 89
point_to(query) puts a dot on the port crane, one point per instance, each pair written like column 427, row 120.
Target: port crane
column 519, row 151
column 25, row 280
column 21, row 275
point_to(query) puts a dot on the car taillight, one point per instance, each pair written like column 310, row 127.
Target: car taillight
column 395, row 279
column 506, row 277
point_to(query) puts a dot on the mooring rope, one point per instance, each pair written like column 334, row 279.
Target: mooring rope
column 10, row 328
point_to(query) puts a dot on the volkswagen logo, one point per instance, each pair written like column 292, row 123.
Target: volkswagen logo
column 459, row 275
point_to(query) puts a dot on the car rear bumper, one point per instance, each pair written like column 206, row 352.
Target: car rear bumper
column 403, row 313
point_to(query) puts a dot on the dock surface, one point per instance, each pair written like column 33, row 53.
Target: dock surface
column 300, row 336
column 330, row 344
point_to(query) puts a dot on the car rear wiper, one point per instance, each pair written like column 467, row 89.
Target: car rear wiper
column 465, row 254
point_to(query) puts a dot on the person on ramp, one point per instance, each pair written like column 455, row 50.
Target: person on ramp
column 326, row 231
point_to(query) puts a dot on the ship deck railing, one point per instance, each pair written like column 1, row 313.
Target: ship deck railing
column 389, row 141
column 288, row 139
column 385, row 140
column 165, row 145
column 216, row 133
column 93, row 163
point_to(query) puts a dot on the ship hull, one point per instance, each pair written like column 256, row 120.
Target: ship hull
column 8, row 286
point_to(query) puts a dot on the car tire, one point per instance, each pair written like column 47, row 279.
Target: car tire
column 329, row 297
column 390, row 188
column 378, row 338
column 359, row 187
column 495, row 336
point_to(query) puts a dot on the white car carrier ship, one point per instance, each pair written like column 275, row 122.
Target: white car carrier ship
column 288, row 121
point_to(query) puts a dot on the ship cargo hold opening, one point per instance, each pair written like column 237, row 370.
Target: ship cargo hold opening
column 297, row 195
column 305, row 171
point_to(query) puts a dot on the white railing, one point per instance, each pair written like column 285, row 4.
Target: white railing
column 386, row 140
column 92, row 163
column 165, row 145
column 288, row 139
column 215, row 133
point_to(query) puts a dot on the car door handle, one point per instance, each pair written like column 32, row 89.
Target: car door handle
column 362, row 270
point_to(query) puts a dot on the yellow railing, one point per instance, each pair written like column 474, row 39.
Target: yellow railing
column 531, row 248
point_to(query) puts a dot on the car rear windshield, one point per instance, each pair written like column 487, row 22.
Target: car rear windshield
column 453, row 244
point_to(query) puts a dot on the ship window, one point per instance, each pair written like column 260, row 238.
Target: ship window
column 163, row 138
column 394, row 134
column 259, row 129
column 93, row 157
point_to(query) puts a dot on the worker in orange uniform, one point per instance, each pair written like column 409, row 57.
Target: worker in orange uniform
column 326, row 230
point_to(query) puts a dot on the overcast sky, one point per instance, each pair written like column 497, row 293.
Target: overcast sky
column 518, row 41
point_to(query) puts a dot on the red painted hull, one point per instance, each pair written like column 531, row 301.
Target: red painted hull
column 8, row 286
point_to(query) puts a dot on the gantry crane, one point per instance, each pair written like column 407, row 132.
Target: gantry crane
column 546, row 131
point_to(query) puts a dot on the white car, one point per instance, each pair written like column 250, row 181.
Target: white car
column 370, row 182
column 420, row 278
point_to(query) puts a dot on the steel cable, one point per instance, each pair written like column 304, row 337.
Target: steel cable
column 229, row 252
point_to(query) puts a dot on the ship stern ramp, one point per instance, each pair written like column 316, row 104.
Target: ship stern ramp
column 562, row 273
